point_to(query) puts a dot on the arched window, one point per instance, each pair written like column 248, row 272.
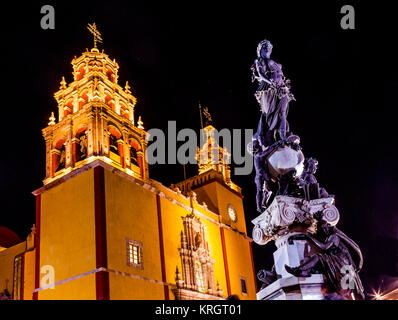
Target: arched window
column 133, row 156
column 113, row 145
column 62, row 159
column 116, row 144
column 81, row 148
column 135, row 147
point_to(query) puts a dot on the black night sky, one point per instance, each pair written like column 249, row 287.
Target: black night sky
column 174, row 55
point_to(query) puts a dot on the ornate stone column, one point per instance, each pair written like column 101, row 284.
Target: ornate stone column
column 126, row 148
column 55, row 153
column 75, row 145
column 48, row 140
column 68, row 146
column 92, row 148
column 120, row 144
column 140, row 157
column 103, row 134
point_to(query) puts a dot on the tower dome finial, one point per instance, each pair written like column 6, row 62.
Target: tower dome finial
column 52, row 119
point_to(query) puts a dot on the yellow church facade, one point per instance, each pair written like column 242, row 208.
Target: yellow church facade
column 106, row 230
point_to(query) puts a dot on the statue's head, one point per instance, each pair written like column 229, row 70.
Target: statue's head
column 311, row 165
column 264, row 49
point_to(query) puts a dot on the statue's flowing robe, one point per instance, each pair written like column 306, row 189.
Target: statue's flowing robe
column 272, row 105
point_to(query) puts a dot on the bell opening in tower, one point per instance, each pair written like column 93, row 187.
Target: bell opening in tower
column 61, row 164
column 133, row 156
column 113, row 144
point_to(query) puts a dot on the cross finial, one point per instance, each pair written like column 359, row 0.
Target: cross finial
column 96, row 34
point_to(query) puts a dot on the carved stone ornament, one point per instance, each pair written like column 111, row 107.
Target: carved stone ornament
column 196, row 280
column 285, row 211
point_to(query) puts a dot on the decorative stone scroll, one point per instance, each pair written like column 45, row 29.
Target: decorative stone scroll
column 285, row 211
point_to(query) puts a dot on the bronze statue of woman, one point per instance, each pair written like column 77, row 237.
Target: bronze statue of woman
column 273, row 93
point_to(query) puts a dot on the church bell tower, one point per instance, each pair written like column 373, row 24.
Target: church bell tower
column 95, row 121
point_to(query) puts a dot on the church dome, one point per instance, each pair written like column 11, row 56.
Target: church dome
column 8, row 238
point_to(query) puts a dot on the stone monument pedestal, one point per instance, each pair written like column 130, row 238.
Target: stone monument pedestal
column 293, row 288
column 284, row 218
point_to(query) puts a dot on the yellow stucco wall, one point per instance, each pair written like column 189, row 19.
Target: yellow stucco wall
column 226, row 197
column 7, row 257
column 29, row 275
column 208, row 194
column 131, row 212
column 172, row 227
column 239, row 264
column 237, row 247
column 67, row 236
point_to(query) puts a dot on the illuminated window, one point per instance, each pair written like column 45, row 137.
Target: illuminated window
column 243, row 287
column 134, row 253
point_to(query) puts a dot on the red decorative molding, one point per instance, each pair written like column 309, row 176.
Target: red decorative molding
column 22, row 286
column 37, row 246
column 101, row 278
column 254, row 270
column 224, row 252
column 162, row 260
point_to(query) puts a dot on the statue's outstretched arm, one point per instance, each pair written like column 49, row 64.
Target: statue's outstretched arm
column 261, row 71
column 254, row 72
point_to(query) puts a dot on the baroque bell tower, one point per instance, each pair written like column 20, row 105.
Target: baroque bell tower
column 95, row 121
column 94, row 148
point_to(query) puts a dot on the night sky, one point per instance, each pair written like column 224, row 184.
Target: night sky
column 174, row 55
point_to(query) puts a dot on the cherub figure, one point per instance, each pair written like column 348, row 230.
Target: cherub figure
column 309, row 183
